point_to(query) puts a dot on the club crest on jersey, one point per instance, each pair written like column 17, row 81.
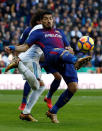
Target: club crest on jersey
column 57, row 31
column 53, row 35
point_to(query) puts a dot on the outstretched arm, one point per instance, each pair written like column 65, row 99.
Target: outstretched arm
column 20, row 48
column 33, row 37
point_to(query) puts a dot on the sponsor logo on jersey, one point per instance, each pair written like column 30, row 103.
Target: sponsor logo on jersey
column 53, row 35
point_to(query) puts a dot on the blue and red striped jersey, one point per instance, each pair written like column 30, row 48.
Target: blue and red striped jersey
column 48, row 39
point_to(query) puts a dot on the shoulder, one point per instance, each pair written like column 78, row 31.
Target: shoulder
column 60, row 30
column 38, row 31
column 28, row 29
column 36, row 28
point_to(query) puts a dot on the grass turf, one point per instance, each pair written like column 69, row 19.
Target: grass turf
column 82, row 113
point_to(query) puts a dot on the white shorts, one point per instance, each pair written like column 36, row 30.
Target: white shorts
column 34, row 67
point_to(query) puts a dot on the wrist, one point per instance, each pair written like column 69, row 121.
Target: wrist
column 12, row 47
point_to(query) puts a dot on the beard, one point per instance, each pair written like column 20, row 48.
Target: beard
column 48, row 27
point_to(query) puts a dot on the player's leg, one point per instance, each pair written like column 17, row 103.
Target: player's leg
column 33, row 98
column 65, row 97
column 62, row 100
column 27, row 88
column 70, row 77
column 54, row 86
column 72, row 59
column 65, row 56
column 29, row 76
column 25, row 95
column 35, row 94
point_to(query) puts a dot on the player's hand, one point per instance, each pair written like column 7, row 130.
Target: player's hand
column 7, row 49
column 70, row 49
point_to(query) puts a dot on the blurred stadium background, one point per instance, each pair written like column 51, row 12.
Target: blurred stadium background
column 76, row 18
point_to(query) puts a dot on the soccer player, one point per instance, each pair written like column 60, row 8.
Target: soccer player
column 53, row 42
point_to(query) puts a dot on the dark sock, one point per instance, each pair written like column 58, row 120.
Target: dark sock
column 63, row 99
column 54, row 86
column 25, row 92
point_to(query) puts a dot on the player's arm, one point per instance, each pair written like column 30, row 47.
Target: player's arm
column 22, row 39
column 24, row 35
column 20, row 48
column 32, row 38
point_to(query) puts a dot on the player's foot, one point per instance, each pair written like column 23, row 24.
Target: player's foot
column 82, row 61
column 13, row 64
column 22, row 106
column 52, row 116
column 49, row 102
column 27, row 117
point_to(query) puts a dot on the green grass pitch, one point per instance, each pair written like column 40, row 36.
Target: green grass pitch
column 82, row 113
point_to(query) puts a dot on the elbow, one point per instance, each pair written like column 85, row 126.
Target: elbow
column 26, row 47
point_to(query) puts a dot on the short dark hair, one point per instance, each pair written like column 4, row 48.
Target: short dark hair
column 46, row 12
column 37, row 16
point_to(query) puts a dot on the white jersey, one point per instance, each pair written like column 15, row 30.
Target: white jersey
column 34, row 52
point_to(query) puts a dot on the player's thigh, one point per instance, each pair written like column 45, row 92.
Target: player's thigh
column 53, row 71
column 34, row 68
column 29, row 64
column 57, row 75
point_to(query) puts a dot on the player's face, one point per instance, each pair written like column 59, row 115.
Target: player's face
column 47, row 21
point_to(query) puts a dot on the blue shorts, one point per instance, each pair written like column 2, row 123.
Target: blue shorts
column 67, row 71
column 48, row 68
column 54, row 55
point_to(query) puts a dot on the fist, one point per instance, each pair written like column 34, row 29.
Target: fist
column 7, row 49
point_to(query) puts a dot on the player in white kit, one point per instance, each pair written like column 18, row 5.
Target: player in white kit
column 30, row 68
column 31, row 60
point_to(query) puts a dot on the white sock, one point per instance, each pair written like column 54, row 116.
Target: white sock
column 30, row 77
column 33, row 97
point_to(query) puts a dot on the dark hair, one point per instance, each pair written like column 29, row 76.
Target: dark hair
column 46, row 12
column 37, row 16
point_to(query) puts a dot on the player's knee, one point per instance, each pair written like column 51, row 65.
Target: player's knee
column 41, row 83
column 73, row 87
column 57, row 76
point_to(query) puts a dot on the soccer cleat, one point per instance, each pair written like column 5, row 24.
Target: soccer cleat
column 13, row 64
column 48, row 101
column 27, row 117
column 52, row 116
column 82, row 61
column 22, row 106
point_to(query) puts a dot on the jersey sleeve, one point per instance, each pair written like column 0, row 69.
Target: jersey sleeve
column 32, row 38
column 66, row 42
column 24, row 35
